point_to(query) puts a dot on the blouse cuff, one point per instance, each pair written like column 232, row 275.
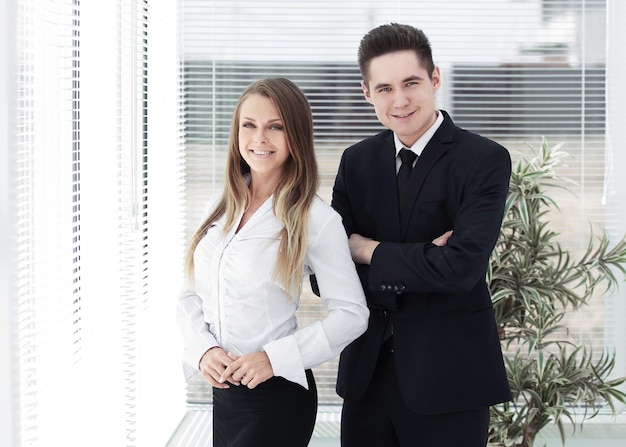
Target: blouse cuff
column 286, row 360
column 192, row 355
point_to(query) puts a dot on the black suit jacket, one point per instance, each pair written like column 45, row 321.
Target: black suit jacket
column 447, row 349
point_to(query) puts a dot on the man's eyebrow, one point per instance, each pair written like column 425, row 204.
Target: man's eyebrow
column 414, row 78
column 409, row 79
column 380, row 85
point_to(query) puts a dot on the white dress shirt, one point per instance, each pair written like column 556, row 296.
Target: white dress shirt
column 421, row 142
column 237, row 303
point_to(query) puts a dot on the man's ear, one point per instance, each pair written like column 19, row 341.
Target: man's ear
column 436, row 79
column 366, row 92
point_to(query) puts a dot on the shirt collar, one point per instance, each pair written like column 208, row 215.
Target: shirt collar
column 422, row 141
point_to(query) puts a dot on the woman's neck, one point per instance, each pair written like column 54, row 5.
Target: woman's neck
column 262, row 187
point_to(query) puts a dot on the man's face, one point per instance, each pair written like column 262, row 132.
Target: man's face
column 402, row 93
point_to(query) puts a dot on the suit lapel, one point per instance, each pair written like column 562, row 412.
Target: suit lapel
column 436, row 148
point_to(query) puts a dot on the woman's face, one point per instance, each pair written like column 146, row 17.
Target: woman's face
column 262, row 140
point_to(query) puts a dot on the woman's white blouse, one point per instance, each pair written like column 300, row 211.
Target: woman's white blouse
column 240, row 306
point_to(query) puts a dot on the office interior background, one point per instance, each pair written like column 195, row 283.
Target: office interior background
column 113, row 127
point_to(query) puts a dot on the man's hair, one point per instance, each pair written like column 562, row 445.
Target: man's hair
column 390, row 38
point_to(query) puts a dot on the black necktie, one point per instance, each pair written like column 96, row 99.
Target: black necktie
column 408, row 157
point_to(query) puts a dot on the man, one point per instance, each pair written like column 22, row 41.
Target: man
column 430, row 364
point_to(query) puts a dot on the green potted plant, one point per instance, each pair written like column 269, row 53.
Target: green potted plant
column 534, row 284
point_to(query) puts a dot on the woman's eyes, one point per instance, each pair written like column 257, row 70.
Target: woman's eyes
column 249, row 125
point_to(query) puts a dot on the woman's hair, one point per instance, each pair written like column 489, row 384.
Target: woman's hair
column 390, row 38
column 295, row 191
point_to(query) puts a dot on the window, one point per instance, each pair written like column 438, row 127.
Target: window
column 93, row 224
column 113, row 131
column 512, row 70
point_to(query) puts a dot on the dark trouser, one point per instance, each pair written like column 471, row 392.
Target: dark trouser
column 382, row 419
column 277, row 413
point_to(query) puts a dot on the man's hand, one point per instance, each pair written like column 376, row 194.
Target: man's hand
column 213, row 364
column 249, row 370
column 443, row 239
column 362, row 248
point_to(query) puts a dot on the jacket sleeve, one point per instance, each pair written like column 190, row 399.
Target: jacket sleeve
column 341, row 200
column 461, row 263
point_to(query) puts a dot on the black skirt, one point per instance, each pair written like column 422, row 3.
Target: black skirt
column 277, row 413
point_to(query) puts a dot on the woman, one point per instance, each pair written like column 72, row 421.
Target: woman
column 245, row 266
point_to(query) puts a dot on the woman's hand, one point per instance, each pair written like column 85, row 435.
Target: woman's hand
column 249, row 370
column 213, row 364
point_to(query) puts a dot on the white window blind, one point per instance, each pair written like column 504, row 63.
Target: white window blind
column 513, row 70
column 49, row 297
column 8, row 251
column 615, row 160
column 90, row 313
